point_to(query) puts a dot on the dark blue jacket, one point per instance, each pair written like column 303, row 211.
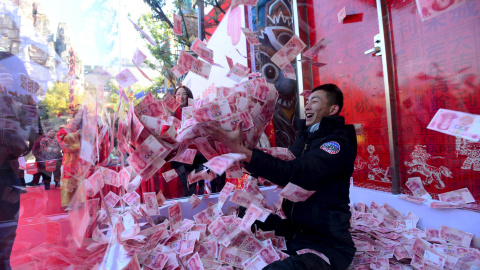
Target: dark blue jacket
column 324, row 163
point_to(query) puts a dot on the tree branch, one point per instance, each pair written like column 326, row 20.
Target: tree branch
column 219, row 7
column 159, row 11
column 186, row 28
column 179, row 41
column 169, row 77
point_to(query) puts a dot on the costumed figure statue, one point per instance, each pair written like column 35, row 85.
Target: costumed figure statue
column 74, row 168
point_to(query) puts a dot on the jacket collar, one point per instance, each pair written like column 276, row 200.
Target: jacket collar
column 327, row 122
column 334, row 120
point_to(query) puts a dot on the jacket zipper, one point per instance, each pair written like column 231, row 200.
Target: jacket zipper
column 305, row 148
column 293, row 206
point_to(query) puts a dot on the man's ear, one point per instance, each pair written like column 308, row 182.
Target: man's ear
column 333, row 110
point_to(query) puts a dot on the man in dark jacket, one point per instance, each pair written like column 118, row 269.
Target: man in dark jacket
column 17, row 135
column 325, row 152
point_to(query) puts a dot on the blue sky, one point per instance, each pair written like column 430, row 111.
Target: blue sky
column 95, row 26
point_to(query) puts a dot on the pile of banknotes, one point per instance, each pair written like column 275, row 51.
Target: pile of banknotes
column 212, row 240
column 386, row 239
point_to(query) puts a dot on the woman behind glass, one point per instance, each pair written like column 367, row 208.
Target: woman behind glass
column 182, row 94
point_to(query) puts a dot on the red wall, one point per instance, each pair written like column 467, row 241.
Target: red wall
column 436, row 66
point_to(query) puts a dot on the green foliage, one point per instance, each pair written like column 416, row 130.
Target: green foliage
column 42, row 110
column 134, row 89
column 57, row 99
column 160, row 25
column 167, row 47
column 158, row 83
column 113, row 97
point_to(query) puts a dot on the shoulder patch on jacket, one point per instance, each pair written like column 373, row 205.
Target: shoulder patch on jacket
column 331, row 147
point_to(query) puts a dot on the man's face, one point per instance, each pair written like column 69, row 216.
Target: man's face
column 317, row 107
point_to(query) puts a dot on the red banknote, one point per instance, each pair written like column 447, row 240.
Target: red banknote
column 295, row 193
column 317, row 48
column 177, row 24
column 146, row 154
column 221, row 163
column 238, row 72
column 251, row 39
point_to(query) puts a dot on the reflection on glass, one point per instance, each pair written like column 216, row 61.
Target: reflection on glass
column 77, row 103
column 19, row 128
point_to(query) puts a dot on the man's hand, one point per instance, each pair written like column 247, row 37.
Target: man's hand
column 231, row 139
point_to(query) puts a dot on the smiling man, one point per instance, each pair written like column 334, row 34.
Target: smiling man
column 325, row 152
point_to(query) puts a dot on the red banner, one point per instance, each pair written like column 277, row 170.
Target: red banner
column 50, row 165
column 32, row 168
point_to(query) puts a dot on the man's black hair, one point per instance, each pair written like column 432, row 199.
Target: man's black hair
column 333, row 93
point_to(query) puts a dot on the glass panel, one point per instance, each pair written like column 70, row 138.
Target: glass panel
column 359, row 76
column 57, row 95
column 437, row 67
